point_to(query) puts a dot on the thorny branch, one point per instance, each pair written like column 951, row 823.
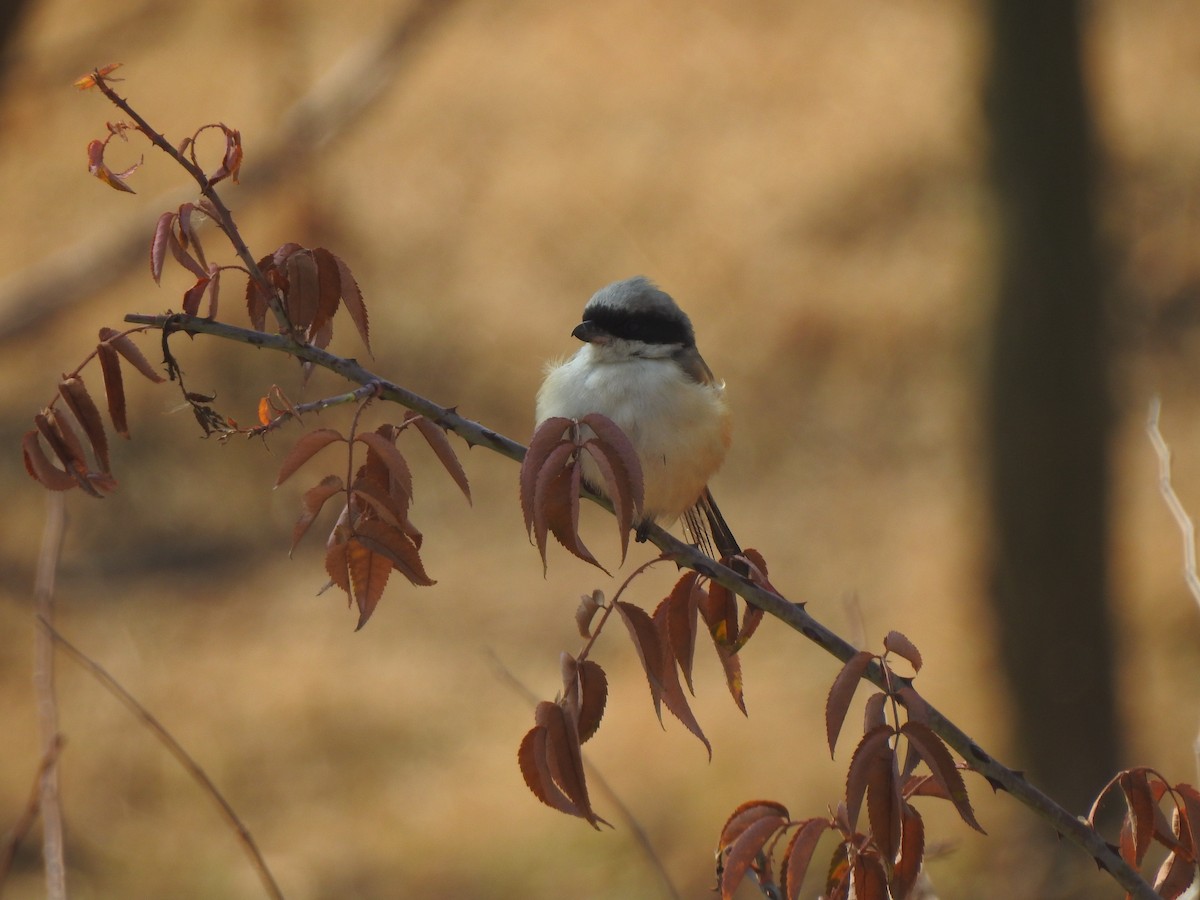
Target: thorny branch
column 792, row 614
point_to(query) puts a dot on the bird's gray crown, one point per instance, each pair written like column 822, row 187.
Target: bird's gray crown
column 636, row 310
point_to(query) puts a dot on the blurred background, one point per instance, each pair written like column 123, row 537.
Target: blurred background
column 836, row 194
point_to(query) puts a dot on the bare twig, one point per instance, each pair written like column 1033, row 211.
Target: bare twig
column 47, row 701
column 28, row 815
column 176, row 749
column 1182, row 519
column 623, row 811
column 792, row 614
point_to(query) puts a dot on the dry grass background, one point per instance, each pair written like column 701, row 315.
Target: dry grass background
column 807, row 179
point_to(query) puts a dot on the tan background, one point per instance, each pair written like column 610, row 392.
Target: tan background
column 808, row 180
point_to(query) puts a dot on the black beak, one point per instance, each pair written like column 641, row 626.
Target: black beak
column 590, row 332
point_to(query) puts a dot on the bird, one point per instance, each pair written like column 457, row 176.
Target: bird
column 639, row 367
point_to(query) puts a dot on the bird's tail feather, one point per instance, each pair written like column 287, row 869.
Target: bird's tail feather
column 708, row 529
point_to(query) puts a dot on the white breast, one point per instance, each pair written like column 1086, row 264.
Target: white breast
column 679, row 428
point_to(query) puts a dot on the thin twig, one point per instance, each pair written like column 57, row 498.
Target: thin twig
column 791, row 614
column 176, row 749
column 623, row 811
column 1182, row 519
column 28, row 815
column 53, row 854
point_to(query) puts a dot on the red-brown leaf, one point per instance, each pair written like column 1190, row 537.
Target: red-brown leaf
column 158, row 245
column 533, row 758
column 303, row 290
column 912, row 852
column 941, row 765
column 1140, row 815
column 128, row 349
column 621, row 455
column 353, row 300
column 396, row 546
column 98, row 167
column 384, row 447
column 39, row 467
column 76, row 395
column 871, row 753
column 310, row 506
column 1175, row 875
column 745, row 849
column 870, row 878
column 895, row 642
column 672, row 694
column 746, row 815
column 841, row 693
column 547, row 438
column 369, row 573
column 558, row 499
column 182, row 256
column 732, row 668
column 649, row 650
column 304, row 450
column 114, row 387
column 720, row 613
column 884, row 803
column 337, row 566
column 617, row 487
column 329, row 289
column 591, row 692
column 565, row 758
column 683, row 604
column 798, row 855
column 586, row 611
column 439, row 442
column 193, row 295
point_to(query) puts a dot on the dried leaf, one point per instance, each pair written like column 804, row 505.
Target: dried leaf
column 533, row 758
column 397, row 547
column 99, row 168
column 742, row 853
column 798, row 854
column 586, row 611
column 649, row 650
column 721, row 614
column 1140, row 815
column 352, row 298
column 439, row 442
column 672, row 691
column 75, row 393
column 182, row 256
column 617, row 487
column 329, row 290
column 304, row 450
column 884, row 803
column 732, row 668
column 193, row 295
column 870, row 878
column 841, row 693
column 557, row 502
column 912, row 852
column 622, row 456
column 585, row 688
column 746, row 815
column 546, row 440
column 1175, row 875
column 369, row 573
column 872, row 752
column 942, row 767
column 258, row 302
column 310, row 506
column 565, row 758
column 337, row 565
column 89, row 81
column 114, row 387
column 384, row 447
column 897, row 643
column 158, row 245
column 303, row 292
column 39, row 467
column 128, row 349
column 682, row 614
column 875, row 712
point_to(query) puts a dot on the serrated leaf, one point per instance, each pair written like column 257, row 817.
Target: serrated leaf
column 533, row 759
column 304, row 449
column 353, row 300
column 369, row 573
column 746, row 815
column 439, row 442
column 585, row 688
column 681, row 620
column 645, row 641
column 303, row 294
column 1175, row 875
column 841, row 692
column 941, row 766
column 616, row 487
column 912, row 852
column 158, row 245
column 384, row 447
column 127, row 348
column 744, row 850
column 547, row 438
column 193, row 295
column 875, row 711
column 39, row 467
column 80, row 402
column 337, row 566
column 870, row 878
column 672, row 691
column 884, row 803
column 798, row 854
column 99, row 168
column 895, row 642
column 557, row 500
column 182, row 256
column 329, row 291
column 565, row 759
column 621, row 452
column 1140, row 814
column 310, row 506
column 397, row 547
column 872, row 752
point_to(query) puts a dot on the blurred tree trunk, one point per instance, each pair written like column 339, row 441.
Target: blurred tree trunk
column 1050, row 410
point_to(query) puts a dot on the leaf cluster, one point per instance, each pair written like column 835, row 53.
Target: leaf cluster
column 878, row 856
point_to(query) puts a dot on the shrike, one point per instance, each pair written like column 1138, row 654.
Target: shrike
column 639, row 366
